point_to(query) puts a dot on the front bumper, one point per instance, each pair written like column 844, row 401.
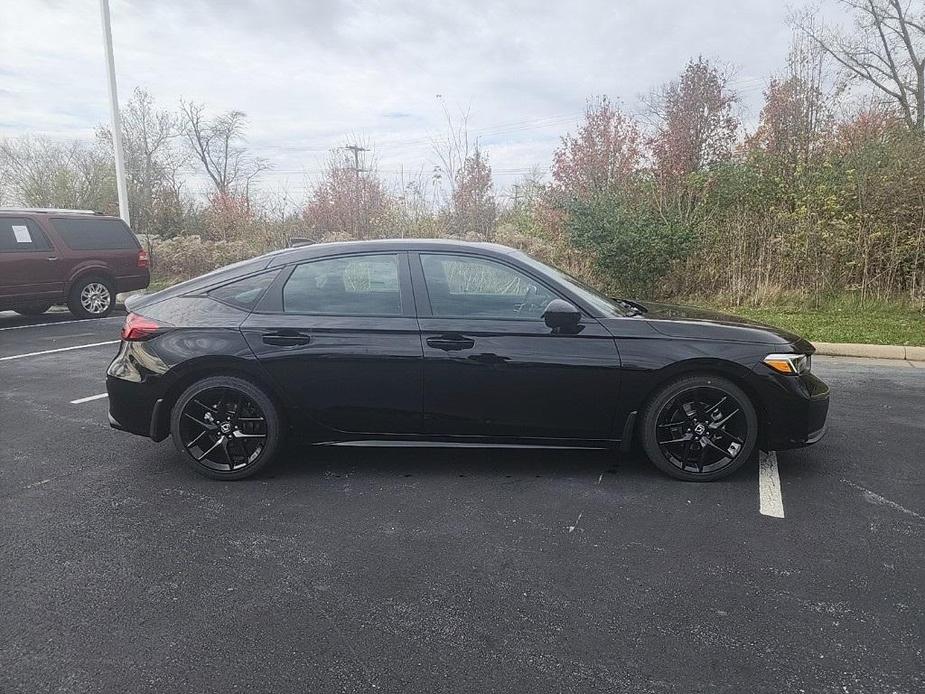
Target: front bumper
column 795, row 409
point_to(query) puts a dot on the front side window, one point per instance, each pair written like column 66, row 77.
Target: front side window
column 94, row 234
column 21, row 235
column 356, row 285
column 467, row 286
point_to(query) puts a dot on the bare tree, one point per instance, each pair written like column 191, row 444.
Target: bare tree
column 153, row 160
column 40, row 172
column 886, row 50
column 451, row 151
column 218, row 145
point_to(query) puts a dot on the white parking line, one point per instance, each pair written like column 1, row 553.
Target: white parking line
column 60, row 322
column 80, row 401
column 875, row 498
column 771, row 503
column 60, row 349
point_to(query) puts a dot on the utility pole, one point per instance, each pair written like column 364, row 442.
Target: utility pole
column 116, row 117
column 356, row 149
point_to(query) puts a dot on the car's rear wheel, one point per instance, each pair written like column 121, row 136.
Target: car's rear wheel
column 699, row 428
column 92, row 297
column 226, row 427
column 32, row 309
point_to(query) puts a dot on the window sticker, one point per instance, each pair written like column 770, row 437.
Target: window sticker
column 22, row 234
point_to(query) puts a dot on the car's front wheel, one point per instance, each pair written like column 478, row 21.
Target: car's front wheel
column 699, row 428
column 226, row 427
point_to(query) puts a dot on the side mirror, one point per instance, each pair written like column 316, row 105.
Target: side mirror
column 561, row 316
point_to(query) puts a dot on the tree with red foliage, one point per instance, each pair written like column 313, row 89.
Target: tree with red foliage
column 604, row 155
column 694, row 120
column 346, row 203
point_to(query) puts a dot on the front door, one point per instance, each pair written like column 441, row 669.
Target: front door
column 339, row 337
column 493, row 367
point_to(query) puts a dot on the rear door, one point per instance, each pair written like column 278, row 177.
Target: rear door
column 493, row 367
column 29, row 265
column 339, row 337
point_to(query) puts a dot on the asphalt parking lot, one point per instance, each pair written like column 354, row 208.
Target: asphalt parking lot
column 439, row 570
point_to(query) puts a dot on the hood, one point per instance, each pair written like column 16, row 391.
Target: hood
column 691, row 321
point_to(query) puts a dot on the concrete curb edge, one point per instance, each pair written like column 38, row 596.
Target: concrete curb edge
column 845, row 349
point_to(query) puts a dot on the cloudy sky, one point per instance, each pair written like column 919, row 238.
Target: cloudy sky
column 314, row 74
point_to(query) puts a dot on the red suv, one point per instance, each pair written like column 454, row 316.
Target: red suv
column 81, row 259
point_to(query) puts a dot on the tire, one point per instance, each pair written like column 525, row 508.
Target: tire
column 686, row 423
column 223, row 412
column 92, row 297
column 32, row 310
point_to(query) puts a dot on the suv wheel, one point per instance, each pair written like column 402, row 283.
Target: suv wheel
column 32, row 309
column 92, row 297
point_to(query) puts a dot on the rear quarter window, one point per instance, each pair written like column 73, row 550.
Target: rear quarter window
column 94, row 234
column 245, row 293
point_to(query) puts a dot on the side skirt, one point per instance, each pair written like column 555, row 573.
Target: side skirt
column 391, row 443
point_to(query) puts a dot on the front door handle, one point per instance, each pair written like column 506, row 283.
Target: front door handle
column 286, row 338
column 451, row 343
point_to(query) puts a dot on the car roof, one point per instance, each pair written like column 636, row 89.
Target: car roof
column 306, row 252
column 54, row 212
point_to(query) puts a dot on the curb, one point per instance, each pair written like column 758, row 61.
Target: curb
column 845, row 349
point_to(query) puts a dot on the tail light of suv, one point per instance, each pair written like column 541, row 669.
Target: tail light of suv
column 137, row 328
column 143, row 259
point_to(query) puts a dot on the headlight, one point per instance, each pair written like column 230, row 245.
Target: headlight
column 789, row 363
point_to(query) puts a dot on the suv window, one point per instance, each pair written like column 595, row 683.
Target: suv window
column 467, row 286
column 356, row 285
column 93, row 234
column 18, row 234
column 245, row 293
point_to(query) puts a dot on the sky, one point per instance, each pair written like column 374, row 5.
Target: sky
column 312, row 75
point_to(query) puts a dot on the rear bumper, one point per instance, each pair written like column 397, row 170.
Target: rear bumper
column 131, row 283
column 133, row 408
column 136, row 390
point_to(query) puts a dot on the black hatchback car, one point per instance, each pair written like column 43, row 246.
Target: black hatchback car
column 443, row 341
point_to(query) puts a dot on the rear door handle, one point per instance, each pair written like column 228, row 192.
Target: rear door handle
column 451, row 343
column 52, row 258
column 286, row 338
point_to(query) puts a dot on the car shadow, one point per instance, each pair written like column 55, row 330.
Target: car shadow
column 300, row 460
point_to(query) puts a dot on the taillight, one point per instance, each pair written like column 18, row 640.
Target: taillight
column 138, row 328
column 143, row 259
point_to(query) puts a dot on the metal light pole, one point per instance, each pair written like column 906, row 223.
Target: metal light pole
column 116, row 118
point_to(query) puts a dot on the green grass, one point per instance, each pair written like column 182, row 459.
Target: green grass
column 841, row 320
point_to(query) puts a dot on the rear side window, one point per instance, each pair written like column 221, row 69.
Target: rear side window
column 21, row 235
column 244, row 293
column 93, row 234
column 355, row 285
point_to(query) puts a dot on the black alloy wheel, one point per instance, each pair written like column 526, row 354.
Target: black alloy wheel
column 226, row 427
column 700, row 428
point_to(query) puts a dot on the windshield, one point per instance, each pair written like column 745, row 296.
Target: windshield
column 608, row 307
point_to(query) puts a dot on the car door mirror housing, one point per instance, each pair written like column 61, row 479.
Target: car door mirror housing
column 561, row 316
